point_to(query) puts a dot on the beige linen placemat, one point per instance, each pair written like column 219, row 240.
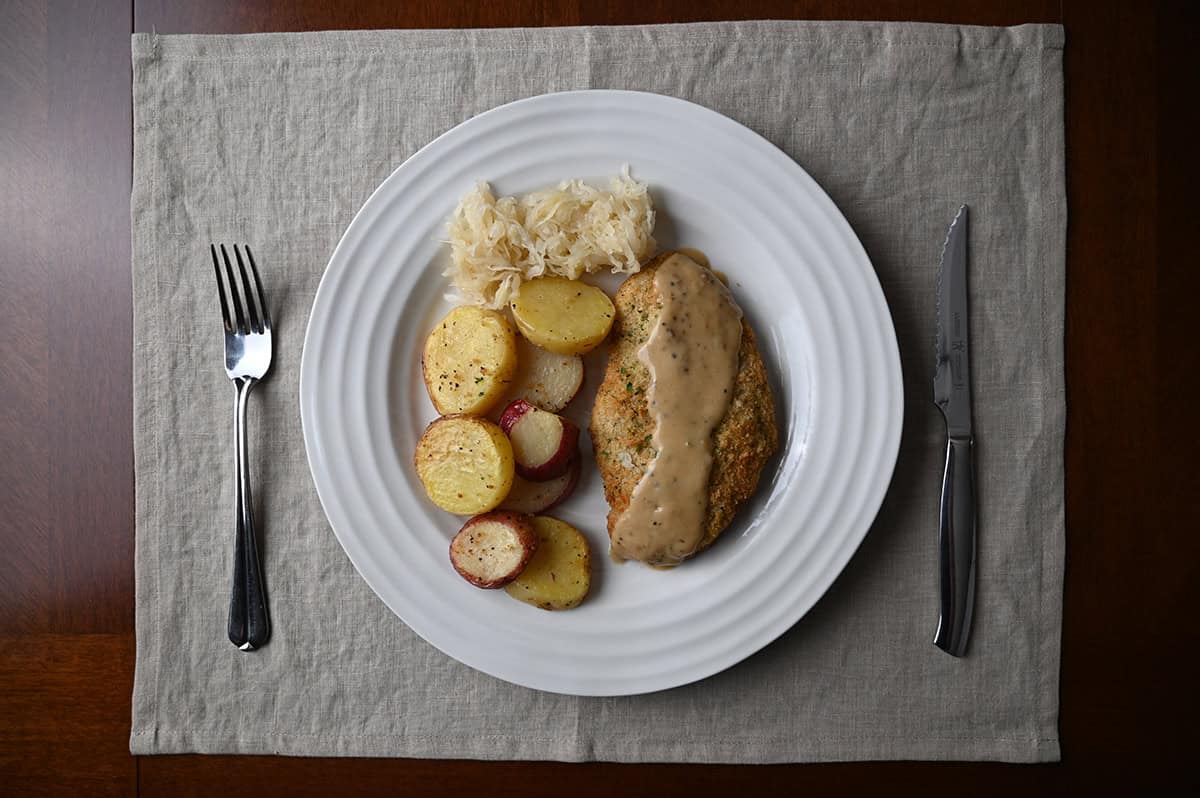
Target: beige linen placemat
column 278, row 139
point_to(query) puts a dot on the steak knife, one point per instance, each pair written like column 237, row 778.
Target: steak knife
column 952, row 395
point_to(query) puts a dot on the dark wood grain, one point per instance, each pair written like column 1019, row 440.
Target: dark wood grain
column 24, row 402
column 66, row 517
column 64, row 716
column 90, row 317
column 320, row 777
column 964, row 12
column 1115, row 539
column 66, row 521
column 68, row 462
column 263, row 16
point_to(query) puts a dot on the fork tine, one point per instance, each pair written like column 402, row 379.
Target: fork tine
column 251, row 312
column 233, row 292
column 262, row 299
column 221, row 289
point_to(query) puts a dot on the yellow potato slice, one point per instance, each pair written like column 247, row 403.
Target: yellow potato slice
column 469, row 360
column 559, row 574
column 564, row 316
column 465, row 464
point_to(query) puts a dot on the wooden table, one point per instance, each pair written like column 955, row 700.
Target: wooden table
column 66, row 472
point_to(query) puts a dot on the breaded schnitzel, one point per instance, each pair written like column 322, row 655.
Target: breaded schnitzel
column 622, row 426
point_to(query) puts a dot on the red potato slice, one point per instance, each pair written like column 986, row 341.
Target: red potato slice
column 545, row 379
column 537, row 497
column 559, row 575
column 543, row 443
column 492, row 549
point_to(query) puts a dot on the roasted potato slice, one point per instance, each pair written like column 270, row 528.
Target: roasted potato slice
column 492, row 549
column 469, row 360
column 544, row 378
column 538, row 497
column 465, row 463
column 567, row 317
column 559, row 574
column 544, row 444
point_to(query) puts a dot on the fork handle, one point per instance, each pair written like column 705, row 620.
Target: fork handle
column 249, row 623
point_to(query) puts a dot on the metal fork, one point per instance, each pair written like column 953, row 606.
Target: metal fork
column 247, row 358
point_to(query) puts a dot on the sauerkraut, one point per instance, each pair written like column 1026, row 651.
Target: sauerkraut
column 567, row 230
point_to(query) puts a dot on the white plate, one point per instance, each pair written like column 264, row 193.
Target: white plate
column 806, row 286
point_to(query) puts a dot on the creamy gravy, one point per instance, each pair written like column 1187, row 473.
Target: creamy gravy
column 692, row 355
column 702, row 259
column 695, row 255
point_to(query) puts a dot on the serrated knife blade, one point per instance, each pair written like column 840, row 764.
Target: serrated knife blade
column 952, row 374
column 952, row 395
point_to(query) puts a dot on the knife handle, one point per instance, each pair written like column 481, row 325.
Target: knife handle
column 956, row 548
